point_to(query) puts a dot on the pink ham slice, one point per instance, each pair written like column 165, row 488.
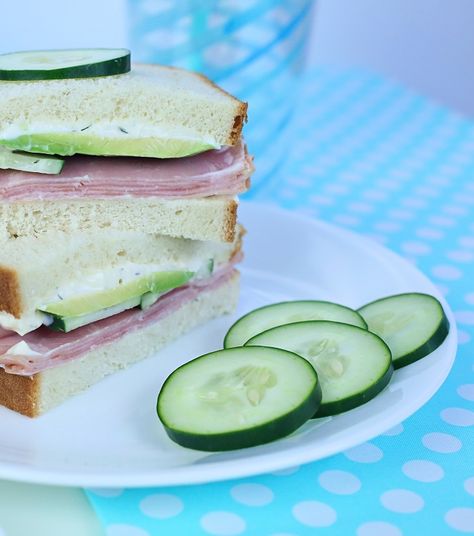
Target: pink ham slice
column 55, row 348
column 224, row 171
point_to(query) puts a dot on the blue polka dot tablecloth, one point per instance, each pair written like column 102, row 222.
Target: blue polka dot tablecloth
column 366, row 154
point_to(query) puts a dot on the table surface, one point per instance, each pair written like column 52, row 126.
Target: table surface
column 371, row 156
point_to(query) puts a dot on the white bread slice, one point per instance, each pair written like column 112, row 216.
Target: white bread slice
column 35, row 269
column 34, row 395
column 211, row 218
column 149, row 102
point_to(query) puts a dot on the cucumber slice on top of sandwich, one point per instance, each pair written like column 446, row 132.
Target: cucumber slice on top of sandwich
column 60, row 64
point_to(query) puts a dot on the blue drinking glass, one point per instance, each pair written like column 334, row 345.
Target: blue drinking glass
column 255, row 49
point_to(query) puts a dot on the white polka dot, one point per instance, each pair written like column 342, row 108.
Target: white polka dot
column 161, row 505
column 460, row 255
column 426, row 191
column 299, row 181
column 350, row 176
column 365, row 453
column 469, row 298
column 252, row 494
column 446, row 272
column 286, row 472
column 375, row 195
column 222, row 523
column 363, row 208
column 336, row 188
column 423, row 470
column 439, row 180
column 321, row 200
column 463, row 336
column 287, row 193
column 465, row 317
column 455, row 210
column 461, row 519
column 464, row 198
column 466, row 241
column 107, row 492
column 458, row 416
column 441, row 442
column 396, row 430
column 414, row 202
column 387, row 226
column 402, row 501
column 427, row 232
column 339, row 482
column 121, row 529
column 442, row 221
column 469, row 485
column 378, row 528
column 389, row 184
column 466, row 391
column 314, row 514
column 346, row 219
column 400, row 214
column 416, row 248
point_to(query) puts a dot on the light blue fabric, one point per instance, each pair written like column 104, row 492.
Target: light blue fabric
column 367, row 154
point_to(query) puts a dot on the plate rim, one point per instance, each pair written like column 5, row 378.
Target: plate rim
column 202, row 473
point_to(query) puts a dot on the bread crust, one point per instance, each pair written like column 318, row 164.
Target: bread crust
column 239, row 120
column 10, row 297
column 20, row 393
column 240, row 117
column 230, row 221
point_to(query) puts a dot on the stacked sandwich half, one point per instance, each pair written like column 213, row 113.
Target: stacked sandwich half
column 118, row 211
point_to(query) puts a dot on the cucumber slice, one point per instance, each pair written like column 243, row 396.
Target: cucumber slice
column 60, row 64
column 34, row 163
column 413, row 325
column 238, row 398
column 278, row 314
column 353, row 364
column 149, row 298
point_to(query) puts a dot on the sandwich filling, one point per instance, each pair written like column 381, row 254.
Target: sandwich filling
column 43, row 349
column 224, row 171
column 64, row 280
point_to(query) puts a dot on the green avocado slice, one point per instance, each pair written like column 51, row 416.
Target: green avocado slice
column 77, row 311
column 124, row 144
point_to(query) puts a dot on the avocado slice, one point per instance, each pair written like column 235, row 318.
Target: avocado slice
column 80, row 310
column 68, row 323
column 124, row 144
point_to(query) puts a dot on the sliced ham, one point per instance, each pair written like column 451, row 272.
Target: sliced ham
column 224, row 171
column 54, row 348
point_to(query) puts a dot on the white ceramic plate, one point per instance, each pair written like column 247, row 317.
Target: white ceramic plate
column 110, row 435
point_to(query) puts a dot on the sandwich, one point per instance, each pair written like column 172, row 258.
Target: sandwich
column 151, row 112
column 118, row 216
